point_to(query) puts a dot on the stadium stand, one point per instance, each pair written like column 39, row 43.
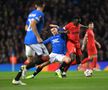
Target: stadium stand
column 13, row 14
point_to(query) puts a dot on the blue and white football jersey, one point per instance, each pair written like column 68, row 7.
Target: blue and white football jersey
column 58, row 44
column 30, row 37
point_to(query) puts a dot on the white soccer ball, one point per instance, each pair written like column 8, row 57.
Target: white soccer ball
column 88, row 72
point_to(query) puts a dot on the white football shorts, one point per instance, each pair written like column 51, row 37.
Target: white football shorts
column 56, row 57
column 39, row 49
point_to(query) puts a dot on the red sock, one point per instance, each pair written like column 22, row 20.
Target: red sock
column 85, row 60
column 94, row 62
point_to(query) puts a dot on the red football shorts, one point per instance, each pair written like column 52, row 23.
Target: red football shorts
column 73, row 48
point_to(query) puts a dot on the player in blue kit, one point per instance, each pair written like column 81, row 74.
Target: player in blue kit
column 33, row 42
column 58, row 44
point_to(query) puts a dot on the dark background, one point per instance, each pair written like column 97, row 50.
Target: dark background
column 13, row 15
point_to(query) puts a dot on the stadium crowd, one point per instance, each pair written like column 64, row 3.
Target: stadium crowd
column 13, row 15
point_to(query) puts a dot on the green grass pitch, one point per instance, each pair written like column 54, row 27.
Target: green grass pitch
column 49, row 81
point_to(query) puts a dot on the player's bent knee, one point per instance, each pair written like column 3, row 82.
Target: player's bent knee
column 30, row 59
column 45, row 58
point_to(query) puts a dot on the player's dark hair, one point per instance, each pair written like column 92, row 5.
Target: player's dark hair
column 40, row 2
column 77, row 18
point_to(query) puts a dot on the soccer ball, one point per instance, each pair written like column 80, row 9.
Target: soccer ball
column 88, row 72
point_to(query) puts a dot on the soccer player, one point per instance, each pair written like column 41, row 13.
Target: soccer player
column 33, row 41
column 73, row 40
column 89, row 40
column 58, row 44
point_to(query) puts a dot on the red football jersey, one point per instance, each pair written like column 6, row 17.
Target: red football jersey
column 90, row 38
column 73, row 32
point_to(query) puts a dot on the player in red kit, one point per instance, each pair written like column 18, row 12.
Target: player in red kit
column 73, row 39
column 89, row 40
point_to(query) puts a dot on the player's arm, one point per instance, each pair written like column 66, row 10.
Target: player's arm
column 60, row 30
column 46, row 41
column 98, row 44
column 26, row 27
column 34, row 28
column 84, row 42
column 54, row 26
column 83, row 26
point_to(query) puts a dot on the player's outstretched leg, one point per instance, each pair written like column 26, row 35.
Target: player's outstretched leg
column 35, row 73
column 39, row 68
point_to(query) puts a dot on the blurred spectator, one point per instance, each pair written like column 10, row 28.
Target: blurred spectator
column 13, row 14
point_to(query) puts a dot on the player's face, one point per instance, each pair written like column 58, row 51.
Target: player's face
column 54, row 31
column 76, row 22
column 91, row 25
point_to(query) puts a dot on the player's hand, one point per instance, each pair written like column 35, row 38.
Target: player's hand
column 39, row 40
column 99, row 46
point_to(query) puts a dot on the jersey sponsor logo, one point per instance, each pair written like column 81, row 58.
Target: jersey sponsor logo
column 55, row 40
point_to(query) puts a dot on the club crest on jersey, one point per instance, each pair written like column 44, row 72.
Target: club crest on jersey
column 32, row 15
